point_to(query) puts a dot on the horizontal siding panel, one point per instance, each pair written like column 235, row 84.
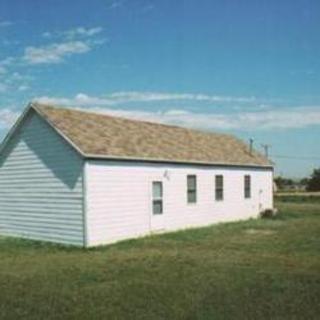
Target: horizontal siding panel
column 43, row 172
column 68, row 216
column 53, row 232
column 41, row 194
column 36, row 224
column 71, row 219
column 36, row 177
column 6, row 209
column 63, row 197
column 26, row 183
column 41, row 203
column 34, row 166
column 119, row 198
column 44, row 236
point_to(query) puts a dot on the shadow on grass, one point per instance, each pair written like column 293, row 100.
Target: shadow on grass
column 12, row 243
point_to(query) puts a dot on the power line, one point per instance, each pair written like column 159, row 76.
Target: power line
column 267, row 147
column 295, row 157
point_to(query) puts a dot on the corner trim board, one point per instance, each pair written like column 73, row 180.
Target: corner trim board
column 84, row 204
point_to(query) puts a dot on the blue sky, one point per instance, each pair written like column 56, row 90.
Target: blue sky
column 250, row 68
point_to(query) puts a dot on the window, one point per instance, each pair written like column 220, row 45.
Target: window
column 219, row 187
column 192, row 188
column 157, row 193
column 247, row 186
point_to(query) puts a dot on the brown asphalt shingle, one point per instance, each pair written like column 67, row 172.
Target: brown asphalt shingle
column 108, row 136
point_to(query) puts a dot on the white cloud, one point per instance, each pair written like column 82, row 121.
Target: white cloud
column 295, row 117
column 79, row 40
column 10, row 77
column 47, row 34
column 16, row 76
column 9, row 42
column 5, row 24
column 3, row 87
column 23, row 87
column 116, row 4
column 82, row 32
column 80, row 99
column 73, row 34
column 3, row 70
column 140, row 7
column 261, row 119
column 7, row 61
column 15, row 81
column 54, row 53
column 147, row 8
column 73, row 41
column 8, row 117
column 286, row 119
column 159, row 96
column 133, row 96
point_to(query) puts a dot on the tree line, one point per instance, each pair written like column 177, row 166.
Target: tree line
column 311, row 183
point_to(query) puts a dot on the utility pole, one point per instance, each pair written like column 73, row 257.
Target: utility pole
column 251, row 145
column 266, row 148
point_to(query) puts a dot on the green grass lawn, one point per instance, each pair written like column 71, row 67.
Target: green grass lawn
column 258, row 269
column 298, row 198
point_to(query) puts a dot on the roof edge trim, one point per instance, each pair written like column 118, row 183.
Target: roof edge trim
column 152, row 160
column 59, row 132
column 14, row 128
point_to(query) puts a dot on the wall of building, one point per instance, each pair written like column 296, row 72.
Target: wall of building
column 41, row 186
column 119, row 198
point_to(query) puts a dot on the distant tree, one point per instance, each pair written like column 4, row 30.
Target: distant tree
column 314, row 181
column 304, row 182
column 289, row 182
column 279, row 181
column 283, row 183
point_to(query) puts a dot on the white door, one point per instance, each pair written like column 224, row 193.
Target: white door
column 157, row 207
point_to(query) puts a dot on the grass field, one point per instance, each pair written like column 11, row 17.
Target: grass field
column 305, row 197
column 258, row 269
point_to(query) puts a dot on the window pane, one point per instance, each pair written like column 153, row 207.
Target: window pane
column 157, row 190
column 157, row 206
column 219, row 181
column 192, row 196
column 247, row 186
column 191, row 182
column 219, row 187
column 191, row 188
column 219, row 194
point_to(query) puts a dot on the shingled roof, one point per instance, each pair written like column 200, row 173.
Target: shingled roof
column 104, row 136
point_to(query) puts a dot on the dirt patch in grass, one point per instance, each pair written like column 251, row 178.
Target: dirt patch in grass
column 264, row 232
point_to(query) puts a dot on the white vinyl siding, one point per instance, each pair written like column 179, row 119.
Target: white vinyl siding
column 41, row 186
column 119, row 197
